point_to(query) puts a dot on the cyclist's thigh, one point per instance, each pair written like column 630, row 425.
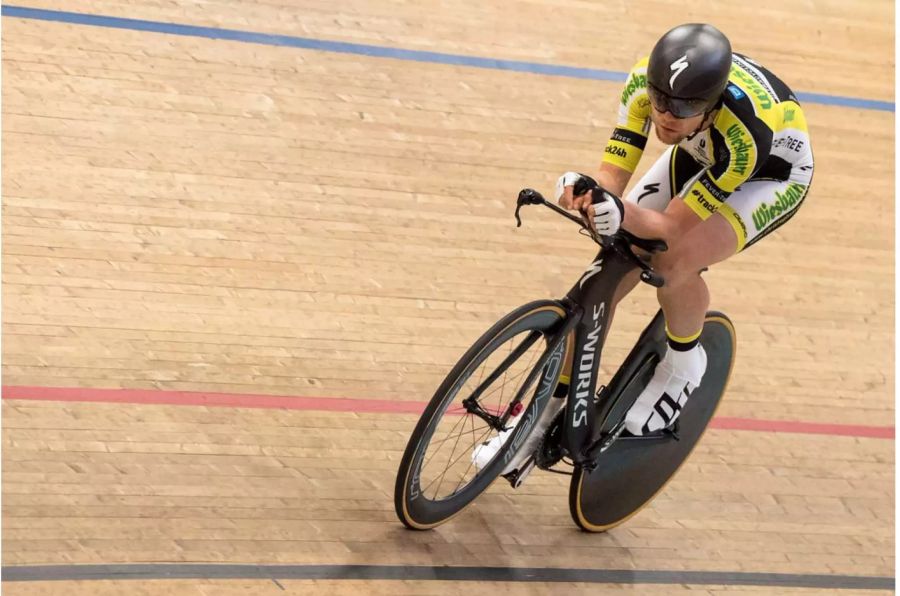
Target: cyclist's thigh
column 674, row 169
column 759, row 207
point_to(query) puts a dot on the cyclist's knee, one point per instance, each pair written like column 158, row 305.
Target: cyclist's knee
column 678, row 264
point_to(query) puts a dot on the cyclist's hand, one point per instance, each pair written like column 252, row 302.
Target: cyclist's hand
column 573, row 190
column 606, row 212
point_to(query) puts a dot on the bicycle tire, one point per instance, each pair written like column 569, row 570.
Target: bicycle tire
column 412, row 506
column 633, row 471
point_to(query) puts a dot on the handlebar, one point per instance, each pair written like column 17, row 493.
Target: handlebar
column 621, row 240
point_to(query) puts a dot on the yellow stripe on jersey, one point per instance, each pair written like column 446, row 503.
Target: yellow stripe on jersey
column 765, row 106
column 622, row 155
column 636, row 81
column 633, row 116
column 707, row 193
column 792, row 117
column 741, row 148
column 737, row 223
column 701, row 201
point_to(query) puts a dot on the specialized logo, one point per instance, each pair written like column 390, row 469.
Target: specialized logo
column 679, row 67
column 740, row 147
column 595, row 268
column 586, row 368
column 766, row 214
column 649, row 189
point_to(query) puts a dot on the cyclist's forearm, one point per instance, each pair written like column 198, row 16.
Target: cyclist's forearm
column 647, row 223
column 613, row 178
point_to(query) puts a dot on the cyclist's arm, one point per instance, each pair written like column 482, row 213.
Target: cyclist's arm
column 626, row 143
column 744, row 148
column 668, row 225
column 613, row 178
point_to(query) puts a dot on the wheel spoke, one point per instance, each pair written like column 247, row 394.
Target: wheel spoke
column 452, row 434
column 450, row 465
column 525, row 371
column 463, row 477
column 461, row 420
column 447, row 438
column 474, row 410
column 516, row 378
column 444, row 473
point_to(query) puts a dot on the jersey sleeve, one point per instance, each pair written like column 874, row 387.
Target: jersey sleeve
column 628, row 139
column 740, row 149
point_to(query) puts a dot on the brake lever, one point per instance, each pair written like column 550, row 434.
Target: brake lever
column 527, row 196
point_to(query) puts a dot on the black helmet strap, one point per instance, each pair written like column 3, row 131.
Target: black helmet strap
column 706, row 114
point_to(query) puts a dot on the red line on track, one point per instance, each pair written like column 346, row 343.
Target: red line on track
column 340, row 404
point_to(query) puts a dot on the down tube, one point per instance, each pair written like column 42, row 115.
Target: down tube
column 594, row 293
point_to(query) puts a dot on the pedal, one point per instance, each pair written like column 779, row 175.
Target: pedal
column 670, row 432
column 615, row 434
column 658, row 435
column 535, row 437
column 673, row 430
column 517, row 477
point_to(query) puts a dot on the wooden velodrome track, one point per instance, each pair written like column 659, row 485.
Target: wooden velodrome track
column 193, row 223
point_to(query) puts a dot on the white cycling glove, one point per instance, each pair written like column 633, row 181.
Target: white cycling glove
column 608, row 209
column 581, row 183
column 608, row 212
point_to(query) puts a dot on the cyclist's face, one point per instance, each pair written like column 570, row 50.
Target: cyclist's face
column 672, row 130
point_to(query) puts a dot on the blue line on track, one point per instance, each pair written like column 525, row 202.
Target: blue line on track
column 377, row 51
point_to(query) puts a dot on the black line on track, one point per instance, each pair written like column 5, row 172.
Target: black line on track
column 157, row 571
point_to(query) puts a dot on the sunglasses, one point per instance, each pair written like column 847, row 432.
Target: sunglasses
column 677, row 106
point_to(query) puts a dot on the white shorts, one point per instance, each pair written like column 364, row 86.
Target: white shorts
column 755, row 209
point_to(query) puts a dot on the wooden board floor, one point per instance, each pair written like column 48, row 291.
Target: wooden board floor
column 198, row 215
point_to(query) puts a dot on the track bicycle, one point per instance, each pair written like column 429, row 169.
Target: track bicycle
column 527, row 386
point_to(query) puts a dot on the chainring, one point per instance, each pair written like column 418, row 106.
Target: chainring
column 550, row 451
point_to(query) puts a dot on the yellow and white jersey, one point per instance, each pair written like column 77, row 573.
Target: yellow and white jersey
column 759, row 133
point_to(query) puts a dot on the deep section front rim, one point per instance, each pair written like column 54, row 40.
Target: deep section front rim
column 415, row 507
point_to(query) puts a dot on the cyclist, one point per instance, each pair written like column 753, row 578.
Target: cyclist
column 739, row 166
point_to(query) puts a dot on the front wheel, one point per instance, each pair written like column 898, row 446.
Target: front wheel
column 502, row 384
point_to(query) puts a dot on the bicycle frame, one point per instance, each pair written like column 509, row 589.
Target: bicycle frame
column 590, row 303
